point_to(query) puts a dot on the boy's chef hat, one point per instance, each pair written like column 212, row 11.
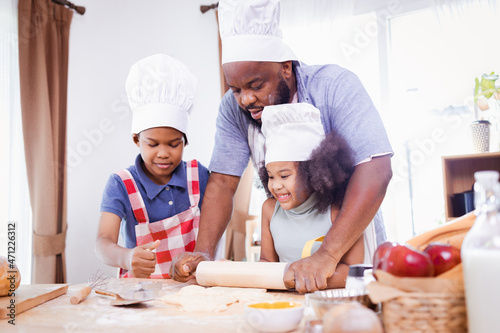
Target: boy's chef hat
column 249, row 31
column 160, row 91
column 292, row 131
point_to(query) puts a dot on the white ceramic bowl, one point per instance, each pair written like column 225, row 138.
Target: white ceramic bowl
column 280, row 316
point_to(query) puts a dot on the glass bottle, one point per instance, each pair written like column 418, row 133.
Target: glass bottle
column 481, row 256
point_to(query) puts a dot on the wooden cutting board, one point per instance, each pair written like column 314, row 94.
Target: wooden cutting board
column 29, row 296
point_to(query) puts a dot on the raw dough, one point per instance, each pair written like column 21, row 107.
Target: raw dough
column 215, row 299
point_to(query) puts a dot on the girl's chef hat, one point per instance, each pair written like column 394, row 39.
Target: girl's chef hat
column 249, row 31
column 160, row 91
column 292, row 131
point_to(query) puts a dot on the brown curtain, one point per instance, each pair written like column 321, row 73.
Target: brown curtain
column 43, row 61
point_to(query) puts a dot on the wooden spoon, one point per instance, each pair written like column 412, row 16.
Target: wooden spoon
column 120, row 301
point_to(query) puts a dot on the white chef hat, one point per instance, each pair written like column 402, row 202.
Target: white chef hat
column 249, row 31
column 160, row 91
column 292, row 131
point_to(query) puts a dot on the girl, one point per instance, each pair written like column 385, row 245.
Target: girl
column 305, row 176
column 154, row 204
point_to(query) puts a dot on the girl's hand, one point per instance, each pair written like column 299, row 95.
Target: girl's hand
column 142, row 260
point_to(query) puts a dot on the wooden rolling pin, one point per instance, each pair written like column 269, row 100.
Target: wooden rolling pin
column 268, row 275
column 80, row 295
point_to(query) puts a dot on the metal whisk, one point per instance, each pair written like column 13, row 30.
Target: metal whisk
column 98, row 280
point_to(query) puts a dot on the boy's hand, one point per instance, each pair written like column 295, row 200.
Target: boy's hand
column 184, row 265
column 142, row 260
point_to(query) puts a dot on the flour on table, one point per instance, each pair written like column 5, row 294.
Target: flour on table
column 215, row 299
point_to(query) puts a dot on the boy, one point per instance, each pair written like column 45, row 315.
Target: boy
column 154, row 204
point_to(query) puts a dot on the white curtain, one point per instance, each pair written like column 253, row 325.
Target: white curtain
column 323, row 12
column 457, row 8
column 313, row 28
column 333, row 32
column 14, row 197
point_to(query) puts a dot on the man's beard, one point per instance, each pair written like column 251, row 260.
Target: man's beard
column 282, row 97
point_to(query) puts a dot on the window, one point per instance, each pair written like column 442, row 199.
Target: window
column 417, row 60
column 432, row 62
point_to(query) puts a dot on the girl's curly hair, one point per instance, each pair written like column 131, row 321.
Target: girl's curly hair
column 327, row 172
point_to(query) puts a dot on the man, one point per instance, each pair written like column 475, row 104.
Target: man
column 261, row 70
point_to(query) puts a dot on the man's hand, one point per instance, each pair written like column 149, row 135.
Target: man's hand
column 310, row 274
column 142, row 261
column 184, row 265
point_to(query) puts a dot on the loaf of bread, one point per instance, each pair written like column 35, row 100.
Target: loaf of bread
column 9, row 277
column 452, row 232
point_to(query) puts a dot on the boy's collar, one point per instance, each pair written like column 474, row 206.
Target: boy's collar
column 152, row 189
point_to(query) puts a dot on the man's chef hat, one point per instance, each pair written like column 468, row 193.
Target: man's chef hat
column 160, row 91
column 292, row 131
column 249, row 31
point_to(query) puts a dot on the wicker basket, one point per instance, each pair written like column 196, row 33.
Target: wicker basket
column 426, row 304
column 425, row 312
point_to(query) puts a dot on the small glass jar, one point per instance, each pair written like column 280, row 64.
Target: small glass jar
column 356, row 277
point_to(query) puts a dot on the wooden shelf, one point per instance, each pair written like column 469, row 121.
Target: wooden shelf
column 458, row 174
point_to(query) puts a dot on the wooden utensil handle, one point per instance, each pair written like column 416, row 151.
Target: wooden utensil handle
column 80, row 295
column 104, row 292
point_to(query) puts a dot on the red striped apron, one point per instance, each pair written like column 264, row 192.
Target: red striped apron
column 177, row 233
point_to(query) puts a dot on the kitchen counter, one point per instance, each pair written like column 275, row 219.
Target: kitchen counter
column 95, row 314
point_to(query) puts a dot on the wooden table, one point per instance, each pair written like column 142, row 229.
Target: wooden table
column 95, row 314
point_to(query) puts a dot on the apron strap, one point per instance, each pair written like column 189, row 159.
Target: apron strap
column 306, row 251
column 138, row 207
column 370, row 244
column 193, row 182
column 256, row 142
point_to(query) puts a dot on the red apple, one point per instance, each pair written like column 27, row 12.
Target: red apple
column 380, row 253
column 407, row 261
column 443, row 256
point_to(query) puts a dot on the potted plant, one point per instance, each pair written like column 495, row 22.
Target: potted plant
column 484, row 90
column 487, row 113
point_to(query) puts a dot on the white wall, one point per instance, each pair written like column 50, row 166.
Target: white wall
column 104, row 43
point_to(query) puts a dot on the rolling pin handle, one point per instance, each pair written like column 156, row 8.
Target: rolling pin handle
column 80, row 295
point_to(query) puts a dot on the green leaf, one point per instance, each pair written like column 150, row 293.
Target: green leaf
column 488, row 84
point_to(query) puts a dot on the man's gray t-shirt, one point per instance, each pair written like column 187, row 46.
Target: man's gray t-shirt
column 345, row 107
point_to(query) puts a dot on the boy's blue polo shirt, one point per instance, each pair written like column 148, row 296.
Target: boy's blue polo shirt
column 161, row 201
